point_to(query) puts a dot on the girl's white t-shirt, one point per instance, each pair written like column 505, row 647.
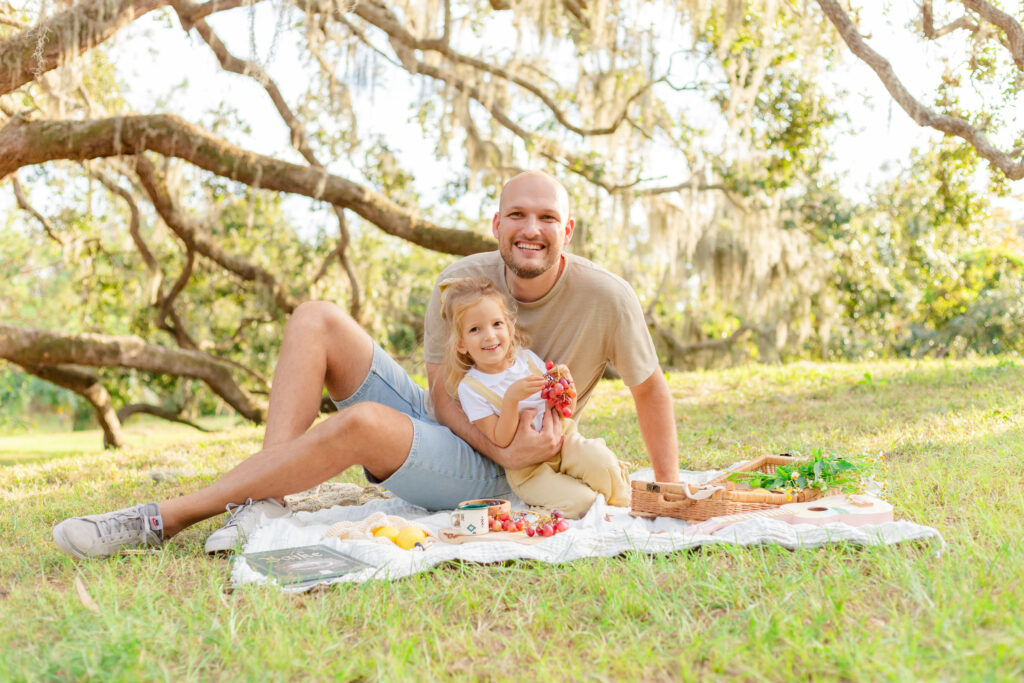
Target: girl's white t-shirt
column 477, row 407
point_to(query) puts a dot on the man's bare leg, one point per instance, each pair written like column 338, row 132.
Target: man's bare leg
column 322, row 347
column 368, row 434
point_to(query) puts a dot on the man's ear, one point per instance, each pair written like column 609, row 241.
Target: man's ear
column 494, row 224
column 570, row 225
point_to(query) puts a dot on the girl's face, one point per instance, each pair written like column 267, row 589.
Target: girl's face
column 484, row 335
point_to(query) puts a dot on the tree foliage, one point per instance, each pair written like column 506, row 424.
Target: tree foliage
column 694, row 138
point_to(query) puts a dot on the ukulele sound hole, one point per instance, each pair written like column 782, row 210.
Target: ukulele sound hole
column 817, row 509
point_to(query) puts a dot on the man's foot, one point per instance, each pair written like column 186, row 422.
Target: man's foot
column 103, row 535
column 242, row 519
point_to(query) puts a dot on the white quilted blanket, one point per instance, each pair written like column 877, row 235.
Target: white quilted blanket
column 605, row 531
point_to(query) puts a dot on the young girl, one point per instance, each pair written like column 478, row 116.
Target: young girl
column 494, row 378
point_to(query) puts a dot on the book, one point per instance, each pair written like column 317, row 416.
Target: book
column 306, row 564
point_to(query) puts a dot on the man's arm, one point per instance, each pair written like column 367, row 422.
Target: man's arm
column 528, row 447
column 658, row 425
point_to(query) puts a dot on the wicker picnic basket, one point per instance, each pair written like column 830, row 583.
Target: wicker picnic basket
column 718, row 497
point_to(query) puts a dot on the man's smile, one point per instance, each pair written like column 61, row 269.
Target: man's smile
column 529, row 246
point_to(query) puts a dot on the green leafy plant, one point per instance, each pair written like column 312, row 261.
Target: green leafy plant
column 822, row 472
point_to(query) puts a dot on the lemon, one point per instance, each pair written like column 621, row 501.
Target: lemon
column 409, row 536
column 388, row 532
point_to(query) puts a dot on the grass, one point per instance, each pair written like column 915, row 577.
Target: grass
column 142, row 432
column 952, row 431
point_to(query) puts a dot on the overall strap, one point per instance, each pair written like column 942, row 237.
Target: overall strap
column 533, row 366
column 479, row 387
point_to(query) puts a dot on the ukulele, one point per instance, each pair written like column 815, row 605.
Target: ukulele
column 856, row 510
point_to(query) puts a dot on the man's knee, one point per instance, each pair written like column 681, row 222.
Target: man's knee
column 380, row 435
column 368, row 418
column 322, row 330
column 320, row 318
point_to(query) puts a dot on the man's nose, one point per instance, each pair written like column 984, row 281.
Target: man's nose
column 531, row 226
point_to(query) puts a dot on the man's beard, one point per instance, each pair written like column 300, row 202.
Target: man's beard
column 526, row 272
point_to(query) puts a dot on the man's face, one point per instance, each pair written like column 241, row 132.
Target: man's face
column 532, row 225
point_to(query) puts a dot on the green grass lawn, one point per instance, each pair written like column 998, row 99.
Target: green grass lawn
column 142, row 432
column 952, row 431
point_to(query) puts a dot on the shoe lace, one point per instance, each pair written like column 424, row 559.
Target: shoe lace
column 236, row 510
column 121, row 521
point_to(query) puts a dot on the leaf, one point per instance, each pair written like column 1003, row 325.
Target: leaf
column 84, row 596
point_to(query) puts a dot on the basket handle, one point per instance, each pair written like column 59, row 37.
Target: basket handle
column 702, row 493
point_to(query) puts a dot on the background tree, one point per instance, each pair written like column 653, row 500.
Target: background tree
column 980, row 97
column 694, row 138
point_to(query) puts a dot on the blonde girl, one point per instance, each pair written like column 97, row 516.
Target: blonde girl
column 494, row 377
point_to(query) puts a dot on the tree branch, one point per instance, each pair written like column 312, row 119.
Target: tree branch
column 299, row 140
column 922, row 115
column 1010, row 26
column 156, row 274
column 22, row 199
column 88, row 386
column 681, row 349
column 62, row 37
column 405, row 45
column 23, row 143
column 199, row 240
column 231, row 63
column 928, row 23
column 181, row 335
column 163, row 304
column 195, row 12
column 28, row 346
column 377, row 13
column 125, row 412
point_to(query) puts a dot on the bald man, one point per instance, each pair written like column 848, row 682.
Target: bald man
column 419, row 444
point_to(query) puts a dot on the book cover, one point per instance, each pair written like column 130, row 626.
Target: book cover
column 304, row 564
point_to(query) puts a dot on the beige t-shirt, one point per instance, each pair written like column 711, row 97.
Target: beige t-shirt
column 589, row 319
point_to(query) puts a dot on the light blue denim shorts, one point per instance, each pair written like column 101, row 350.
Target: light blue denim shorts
column 442, row 470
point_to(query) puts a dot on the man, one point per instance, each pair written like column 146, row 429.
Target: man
column 420, row 445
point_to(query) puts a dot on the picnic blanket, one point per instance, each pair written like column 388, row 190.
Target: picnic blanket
column 605, row 531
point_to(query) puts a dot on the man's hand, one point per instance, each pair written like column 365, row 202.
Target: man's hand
column 530, row 447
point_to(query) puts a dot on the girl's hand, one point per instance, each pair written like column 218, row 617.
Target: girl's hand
column 522, row 388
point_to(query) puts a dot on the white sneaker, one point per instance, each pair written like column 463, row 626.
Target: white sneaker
column 104, row 535
column 242, row 519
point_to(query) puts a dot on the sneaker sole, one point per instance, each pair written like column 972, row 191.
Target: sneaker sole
column 221, row 548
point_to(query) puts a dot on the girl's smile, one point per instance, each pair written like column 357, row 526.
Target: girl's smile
column 484, row 335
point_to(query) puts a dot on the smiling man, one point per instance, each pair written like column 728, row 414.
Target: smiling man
column 426, row 452
column 573, row 311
